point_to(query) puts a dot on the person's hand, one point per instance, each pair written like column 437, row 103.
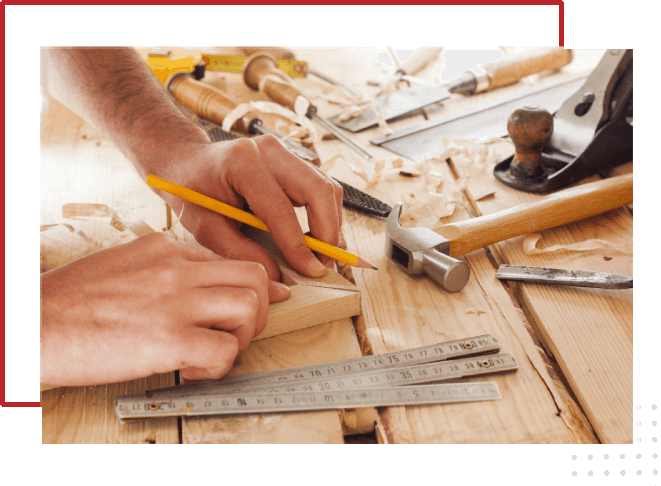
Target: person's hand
column 150, row 306
column 272, row 181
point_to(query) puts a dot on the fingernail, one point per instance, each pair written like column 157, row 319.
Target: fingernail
column 282, row 291
column 317, row 269
column 329, row 262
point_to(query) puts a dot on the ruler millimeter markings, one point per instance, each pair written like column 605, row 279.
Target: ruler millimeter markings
column 140, row 407
column 389, row 377
column 473, row 346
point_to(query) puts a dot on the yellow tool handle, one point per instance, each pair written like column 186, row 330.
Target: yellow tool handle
column 562, row 207
column 511, row 69
column 165, row 64
column 207, row 101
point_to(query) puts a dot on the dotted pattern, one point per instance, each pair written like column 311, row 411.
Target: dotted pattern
column 637, row 464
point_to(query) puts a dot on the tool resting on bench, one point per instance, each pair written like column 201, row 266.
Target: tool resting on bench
column 420, row 251
column 261, row 73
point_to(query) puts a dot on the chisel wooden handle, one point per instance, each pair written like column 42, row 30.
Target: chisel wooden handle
column 560, row 208
column 207, row 101
column 260, row 65
column 511, row 69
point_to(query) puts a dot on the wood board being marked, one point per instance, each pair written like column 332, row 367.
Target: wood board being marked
column 313, row 301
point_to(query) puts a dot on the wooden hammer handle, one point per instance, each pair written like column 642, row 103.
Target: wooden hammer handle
column 260, row 65
column 207, row 101
column 511, row 69
column 560, row 208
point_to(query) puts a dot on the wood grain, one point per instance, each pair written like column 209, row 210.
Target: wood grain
column 523, row 63
column 400, row 311
column 332, row 341
column 588, row 331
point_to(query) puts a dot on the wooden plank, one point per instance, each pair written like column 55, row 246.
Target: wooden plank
column 78, row 165
column 309, row 306
column 86, row 415
column 313, row 301
column 327, row 342
column 589, row 331
column 400, row 312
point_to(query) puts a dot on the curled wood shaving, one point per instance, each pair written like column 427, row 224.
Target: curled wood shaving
column 328, row 165
column 299, row 133
column 276, row 109
column 173, row 227
column 530, row 242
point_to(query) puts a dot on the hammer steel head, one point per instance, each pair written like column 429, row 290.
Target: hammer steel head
column 420, row 251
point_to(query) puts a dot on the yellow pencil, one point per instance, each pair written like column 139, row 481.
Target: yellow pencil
column 231, row 212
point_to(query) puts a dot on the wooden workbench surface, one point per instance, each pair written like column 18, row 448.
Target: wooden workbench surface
column 574, row 346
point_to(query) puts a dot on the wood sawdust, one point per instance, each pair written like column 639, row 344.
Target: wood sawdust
column 530, row 246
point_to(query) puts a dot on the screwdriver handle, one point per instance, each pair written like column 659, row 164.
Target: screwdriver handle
column 419, row 59
column 207, row 101
column 511, row 69
column 262, row 64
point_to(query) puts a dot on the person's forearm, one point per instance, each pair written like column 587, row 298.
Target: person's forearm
column 114, row 90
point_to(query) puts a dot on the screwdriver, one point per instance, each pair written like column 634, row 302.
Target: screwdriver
column 261, row 73
column 214, row 105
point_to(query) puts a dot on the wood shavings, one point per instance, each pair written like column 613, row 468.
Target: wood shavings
column 73, row 210
column 90, row 210
column 397, row 163
column 331, row 93
column 369, row 181
column 486, row 192
column 299, row 133
column 351, row 112
column 171, row 230
column 474, row 310
column 62, row 243
column 328, row 165
column 327, row 137
column 271, row 108
column 530, row 246
column 427, row 208
column 381, row 120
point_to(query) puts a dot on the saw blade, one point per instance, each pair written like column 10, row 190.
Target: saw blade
column 482, row 122
column 394, row 105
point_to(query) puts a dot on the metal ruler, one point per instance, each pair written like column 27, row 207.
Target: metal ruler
column 397, row 378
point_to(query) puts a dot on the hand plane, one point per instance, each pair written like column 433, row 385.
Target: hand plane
column 590, row 133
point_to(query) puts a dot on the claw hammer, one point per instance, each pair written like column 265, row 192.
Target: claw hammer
column 420, row 251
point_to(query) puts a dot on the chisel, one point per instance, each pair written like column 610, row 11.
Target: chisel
column 502, row 72
column 214, row 105
column 261, row 73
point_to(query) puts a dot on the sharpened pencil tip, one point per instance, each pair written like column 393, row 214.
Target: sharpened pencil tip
column 374, row 268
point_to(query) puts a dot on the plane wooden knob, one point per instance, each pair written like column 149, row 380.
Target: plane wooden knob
column 529, row 127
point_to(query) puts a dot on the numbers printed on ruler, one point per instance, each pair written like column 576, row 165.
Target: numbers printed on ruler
column 397, row 378
column 425, row 354
column 138, row 407
column 411, row 375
